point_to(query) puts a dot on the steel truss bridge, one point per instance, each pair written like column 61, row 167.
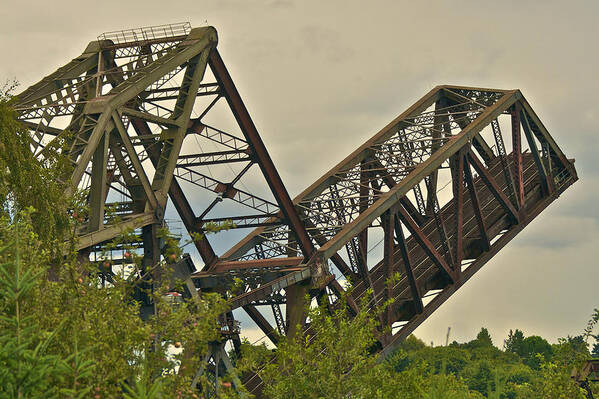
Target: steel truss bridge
column 150, row 115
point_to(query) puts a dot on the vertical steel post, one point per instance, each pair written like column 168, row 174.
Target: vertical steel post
column 417, row 299
column 517, row 154
column 388, row 252
column 458, row 189
column 98, row 185
column 151, row 257
column 480, row 220
column 532, row 144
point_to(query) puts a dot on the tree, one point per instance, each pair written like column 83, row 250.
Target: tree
column 412, row 343
column 441, row 386
column 330, row 360
column 595, row 351
column 553, row 382
column 27, row 367
column 484, row 338
column 513, row 343
column 71, row 336
column 588, row 333
column 334, row 359
column 25, row 182
column 533, row 346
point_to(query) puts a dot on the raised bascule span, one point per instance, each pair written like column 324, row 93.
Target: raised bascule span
column 157, row 132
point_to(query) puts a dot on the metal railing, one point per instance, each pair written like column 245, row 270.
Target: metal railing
column 147, row 33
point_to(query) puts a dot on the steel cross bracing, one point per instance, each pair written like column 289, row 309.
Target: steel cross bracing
column 440, row 146
column 152, row 114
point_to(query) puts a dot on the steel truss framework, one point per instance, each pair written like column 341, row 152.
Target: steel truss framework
column 432, row 196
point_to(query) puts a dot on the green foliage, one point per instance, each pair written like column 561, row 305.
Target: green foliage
column 570, row 350
column 532, row 347
column 513, row 343
column 412, row 343
column 71, row 337
column 26, row 367
column 331, row 360
column 552, row 383
column 440, row 386
column 588, row 333
column 144, row 387
column 27, row 183
column 496, row 374
column 483, row 340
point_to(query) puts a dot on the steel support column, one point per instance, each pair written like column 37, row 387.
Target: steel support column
column 405, row 254
column 424, row 242
column 517, row 154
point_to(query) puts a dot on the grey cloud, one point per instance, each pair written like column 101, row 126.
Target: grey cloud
column 325, row 42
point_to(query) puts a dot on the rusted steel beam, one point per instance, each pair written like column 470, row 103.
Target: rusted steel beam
column 343, row 267
column 151, row 257
column 180, row 202
column 244, row 221
column 441, row 230
column 125, row 141
column 391, row 197
column 110, row 231
column 227, row 190
column 99, row 186
column 424, row 242
column 458, row 184
column 276, row 310
column 212, row 279
column 145, row 42
column 503, row 159
column 436, row 144
column 362, row 254
column 437, row 301
column 493, row 186
column 517, row 154
column 544, row 135
column 480, row 220
column 405, row 201
column 269, row 288
column 224, row 266
column 337, row 260
column 52, row 83
column 416, row 297
column 388, row 220
column 213, row 158
column 188, row 217
column 545, row 178
column 262, row 323
column 478, row 142
column 340, row 292
column 364, row 150
column 259, row 151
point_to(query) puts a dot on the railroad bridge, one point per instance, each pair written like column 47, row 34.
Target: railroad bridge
column 156, row 129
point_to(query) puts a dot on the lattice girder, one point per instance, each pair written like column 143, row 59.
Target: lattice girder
column 430, row 243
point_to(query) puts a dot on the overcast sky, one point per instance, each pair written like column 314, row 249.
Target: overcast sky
column 320, row 77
